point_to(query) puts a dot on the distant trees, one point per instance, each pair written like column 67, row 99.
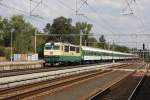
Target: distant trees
column 120, row 48
column 62, row 25
column 85, row 28
column 102, row 42
column 22, row 34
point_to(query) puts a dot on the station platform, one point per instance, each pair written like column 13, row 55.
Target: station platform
column 20, row 65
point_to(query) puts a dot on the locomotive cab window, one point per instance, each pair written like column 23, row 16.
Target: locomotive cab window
column 52, row 47
column 72, row 48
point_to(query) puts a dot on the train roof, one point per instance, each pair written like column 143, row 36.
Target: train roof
column 102, row 50
column 60, row 43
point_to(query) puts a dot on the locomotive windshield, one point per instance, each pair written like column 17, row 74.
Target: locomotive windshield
column 52, row 47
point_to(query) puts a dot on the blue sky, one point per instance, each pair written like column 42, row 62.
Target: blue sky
column 107, row 16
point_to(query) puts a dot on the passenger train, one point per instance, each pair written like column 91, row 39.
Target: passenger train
column 58, row 52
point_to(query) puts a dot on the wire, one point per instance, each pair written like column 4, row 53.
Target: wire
column 105, row 21
column 35, row 6
column 23, row 12
column 84, row 2
column 65, row 5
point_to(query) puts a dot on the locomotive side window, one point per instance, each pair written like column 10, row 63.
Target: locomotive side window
column 66, row 48
column 77, row 50
column 72, row 48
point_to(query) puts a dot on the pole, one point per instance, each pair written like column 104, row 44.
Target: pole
column 11, row 46
column 143, row 56
column 112, row 53
column 35, row 41
column 80, row 41
column 76, row 7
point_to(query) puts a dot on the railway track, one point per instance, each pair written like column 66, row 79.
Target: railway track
column 38, row 70
column 52, row 85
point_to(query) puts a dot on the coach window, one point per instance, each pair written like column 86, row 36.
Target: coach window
column 66, row 48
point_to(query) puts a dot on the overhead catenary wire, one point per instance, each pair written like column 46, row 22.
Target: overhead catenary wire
column 25, row 13
column 31, row 10
column 109, row 27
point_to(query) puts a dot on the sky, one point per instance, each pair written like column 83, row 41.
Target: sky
column 108, row 17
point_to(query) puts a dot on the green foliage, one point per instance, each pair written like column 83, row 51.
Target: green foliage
column 102, row 42
column 7, row 54
column 60, row 25
column 93, row 42
column 85, row 28
column 22, row 33
column 2, row 53
column 40, row 45
column 120, row 48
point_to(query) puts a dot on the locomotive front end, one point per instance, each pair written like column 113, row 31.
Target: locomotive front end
column 52, row 52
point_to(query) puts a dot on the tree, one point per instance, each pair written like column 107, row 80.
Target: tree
column 85, row 28
column 102, row 42
column 6, row 29
column 93, row 42
column 62, row 25
column 47, row 28
column 120, row 48
column 22, row 35
column 1, row 32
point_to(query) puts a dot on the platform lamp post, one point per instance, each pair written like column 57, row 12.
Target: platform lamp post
column 35, row 40
column 11, row 41
column 113, row 50
column 143, row 53
column 81, row 33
